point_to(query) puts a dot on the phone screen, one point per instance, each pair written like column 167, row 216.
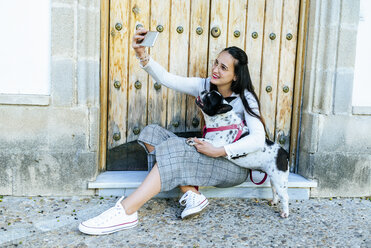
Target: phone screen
column 150, row 39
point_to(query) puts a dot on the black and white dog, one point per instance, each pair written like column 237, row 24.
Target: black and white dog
column 272, row 159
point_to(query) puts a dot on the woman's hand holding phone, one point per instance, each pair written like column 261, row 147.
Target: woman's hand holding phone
column 137, row 39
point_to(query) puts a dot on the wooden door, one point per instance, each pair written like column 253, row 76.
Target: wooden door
column 265, row 29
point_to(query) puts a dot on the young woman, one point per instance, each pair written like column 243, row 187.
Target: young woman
column 178, row 164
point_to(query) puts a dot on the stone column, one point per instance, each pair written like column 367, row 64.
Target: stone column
column 334, row 143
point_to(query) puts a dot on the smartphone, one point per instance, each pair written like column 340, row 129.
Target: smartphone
column 149, row 39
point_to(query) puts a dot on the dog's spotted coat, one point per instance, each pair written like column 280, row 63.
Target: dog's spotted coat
column 272, row 159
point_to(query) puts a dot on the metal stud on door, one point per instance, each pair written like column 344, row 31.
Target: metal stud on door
column 215, row 32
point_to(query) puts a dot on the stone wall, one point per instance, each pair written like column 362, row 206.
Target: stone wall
column 53, row 148
column 335, row 141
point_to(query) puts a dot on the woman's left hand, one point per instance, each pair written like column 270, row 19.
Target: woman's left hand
column 208, row 149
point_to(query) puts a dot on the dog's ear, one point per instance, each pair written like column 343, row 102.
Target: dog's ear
column 224, row 108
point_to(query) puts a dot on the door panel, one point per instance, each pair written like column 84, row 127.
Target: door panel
column 135, row 100
column 270, row 63
column 118, row 72
column 179, row 36
column 236, row 23
column 254, row 40
column 138, row 79
column 198, row 37
column 157, row 95
column 218, row 22
column 286, row 72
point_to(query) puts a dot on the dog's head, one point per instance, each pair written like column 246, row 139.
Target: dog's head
column 211, row 103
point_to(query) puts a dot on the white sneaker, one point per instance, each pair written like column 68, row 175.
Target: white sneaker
column 194, row 203
column 111, row 220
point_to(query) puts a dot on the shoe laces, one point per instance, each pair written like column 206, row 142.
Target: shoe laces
column 188, row 199
column 109, row 214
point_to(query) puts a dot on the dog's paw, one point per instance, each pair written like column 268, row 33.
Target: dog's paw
column 190, row 142
column 273, row 202
column 284, row 215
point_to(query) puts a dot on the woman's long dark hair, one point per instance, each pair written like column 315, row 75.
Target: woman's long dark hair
column 243, row 81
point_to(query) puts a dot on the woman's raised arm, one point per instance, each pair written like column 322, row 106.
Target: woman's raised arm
column 189, row 85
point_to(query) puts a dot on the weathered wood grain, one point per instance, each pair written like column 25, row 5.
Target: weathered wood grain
column 157, row 98
column 219, row 18
column 104, row 65
column 198, row 54
column 118, row 64
column 273, row 19
column 237, row 22
column 137, row 98
column 286, row 71
column 254, row 46
column 180, row 10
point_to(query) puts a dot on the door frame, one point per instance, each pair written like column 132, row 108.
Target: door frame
column 298, row 83
column 104, row 63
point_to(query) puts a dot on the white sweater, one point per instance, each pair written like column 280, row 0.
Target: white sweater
column 194, row 86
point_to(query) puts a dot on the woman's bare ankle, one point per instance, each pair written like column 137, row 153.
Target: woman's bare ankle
column 128, row 211
column 184, row 189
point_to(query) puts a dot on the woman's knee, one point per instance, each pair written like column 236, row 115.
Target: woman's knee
column 152, row 127
column 147, row 131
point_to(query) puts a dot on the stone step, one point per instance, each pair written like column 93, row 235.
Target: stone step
column 118, row 183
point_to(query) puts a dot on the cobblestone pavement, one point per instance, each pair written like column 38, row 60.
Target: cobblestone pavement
column 53, row 221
